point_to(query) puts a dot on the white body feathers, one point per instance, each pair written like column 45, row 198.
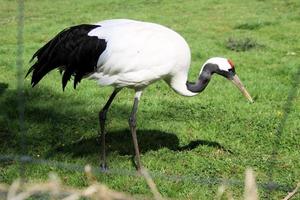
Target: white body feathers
column 139, row 53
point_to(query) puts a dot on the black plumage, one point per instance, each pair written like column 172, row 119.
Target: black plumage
column 72, row 51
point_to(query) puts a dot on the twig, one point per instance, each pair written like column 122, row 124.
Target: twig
column 151, row 184
column 229, row 195
column 33, row 189
column 3, row 187
column 89, row 175
column 291, row 194
column 250, row 186
column 221, row 191
column 13, row 189
column 53, row 187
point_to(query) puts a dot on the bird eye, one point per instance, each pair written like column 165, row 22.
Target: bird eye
column 231, row 70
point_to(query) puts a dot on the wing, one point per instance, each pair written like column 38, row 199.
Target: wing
column 72, row 50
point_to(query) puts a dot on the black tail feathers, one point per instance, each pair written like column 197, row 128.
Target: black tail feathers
column 72, row 51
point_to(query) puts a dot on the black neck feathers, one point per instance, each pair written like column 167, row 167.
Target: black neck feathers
column 204, row 78
column 73, row 51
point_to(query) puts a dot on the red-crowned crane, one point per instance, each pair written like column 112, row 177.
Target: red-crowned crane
column 126, row 53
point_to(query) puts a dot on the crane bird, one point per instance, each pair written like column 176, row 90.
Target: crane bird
column 126, row 53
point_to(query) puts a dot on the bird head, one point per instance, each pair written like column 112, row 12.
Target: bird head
column 225, row 68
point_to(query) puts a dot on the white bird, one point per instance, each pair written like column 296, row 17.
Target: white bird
column 126, row 53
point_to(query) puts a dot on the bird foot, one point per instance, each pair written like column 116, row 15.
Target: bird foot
column 103, row 167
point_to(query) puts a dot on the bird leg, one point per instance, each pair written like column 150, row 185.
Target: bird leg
column 132, row 125
column 102, row 119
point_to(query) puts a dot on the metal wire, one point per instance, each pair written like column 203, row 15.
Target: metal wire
column 279, row 131
column 20, row 84
column 156, row 175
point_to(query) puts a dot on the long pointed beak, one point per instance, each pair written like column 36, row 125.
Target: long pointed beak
column 236, row 81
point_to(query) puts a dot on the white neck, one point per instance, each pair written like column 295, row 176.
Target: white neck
column 178, row 84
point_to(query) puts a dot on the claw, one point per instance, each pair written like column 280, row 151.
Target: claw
column 103, row 167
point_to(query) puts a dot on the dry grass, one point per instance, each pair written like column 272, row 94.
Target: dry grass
column 54, row 189
column 250, row 191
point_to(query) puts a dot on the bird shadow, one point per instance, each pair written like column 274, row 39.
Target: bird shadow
column 45, row 122
column 121, row 142
column 3, row 87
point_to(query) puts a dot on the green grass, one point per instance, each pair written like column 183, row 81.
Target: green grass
column 224, row 132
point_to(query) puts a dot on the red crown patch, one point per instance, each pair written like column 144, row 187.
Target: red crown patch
column 231, row 63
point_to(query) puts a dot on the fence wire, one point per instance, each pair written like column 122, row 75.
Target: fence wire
column 156, row 175
column 20, row 79
column 24, row 159
column 279, row 131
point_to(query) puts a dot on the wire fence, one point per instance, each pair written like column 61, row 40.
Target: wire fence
column 25, row 159
column 20, row 82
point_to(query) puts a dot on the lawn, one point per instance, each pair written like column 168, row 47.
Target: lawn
column 215, row 135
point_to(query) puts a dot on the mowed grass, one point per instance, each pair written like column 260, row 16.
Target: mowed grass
column 216, row 134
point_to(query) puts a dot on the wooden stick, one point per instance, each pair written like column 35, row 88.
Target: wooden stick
column 291, row 194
